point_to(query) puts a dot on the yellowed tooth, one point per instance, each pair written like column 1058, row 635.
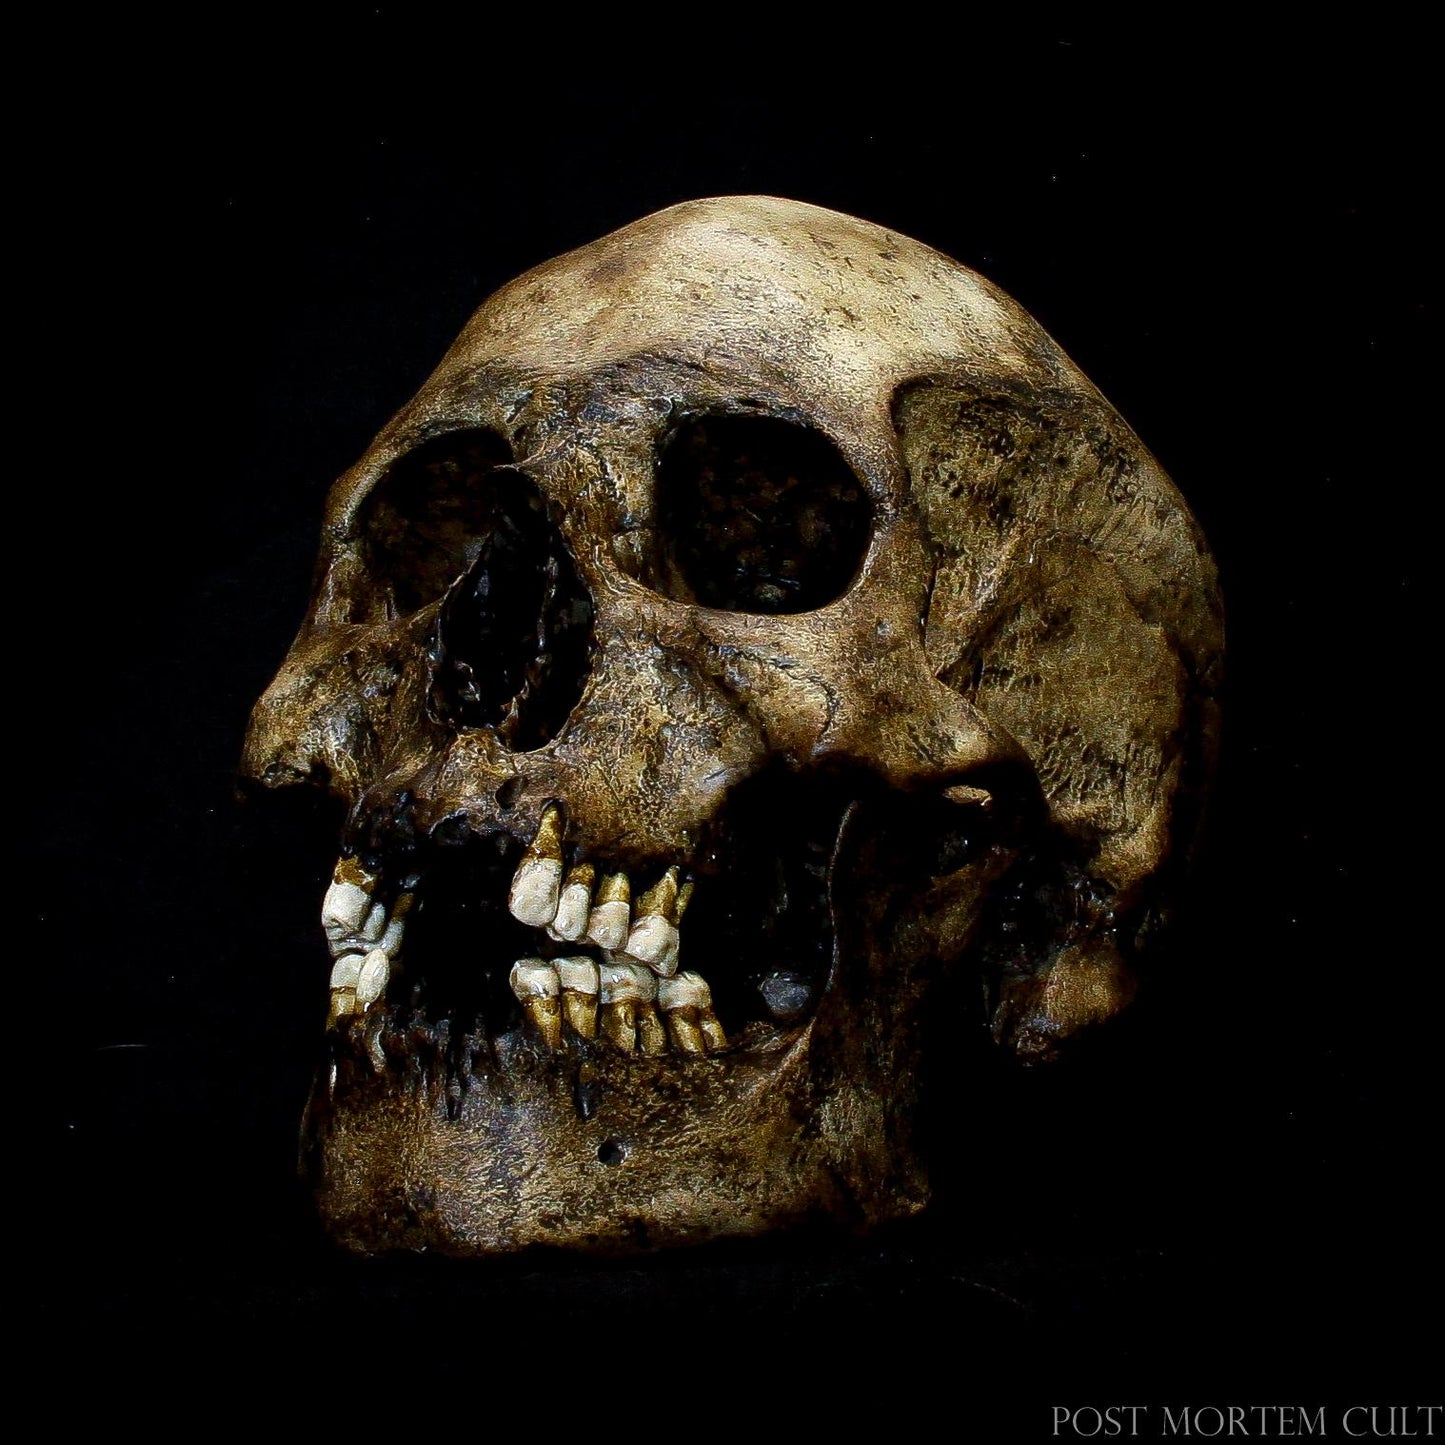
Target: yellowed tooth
column 686, row 1002
column 574, row 906
column 626, row 989
column 607, row 923
column 538, row 879
column 651, row 1036
column 579, row 980
column 343, row 1004
column 371, row 984
column 534, row 981
column 653, row 938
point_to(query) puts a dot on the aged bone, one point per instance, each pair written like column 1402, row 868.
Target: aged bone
column 748, row 496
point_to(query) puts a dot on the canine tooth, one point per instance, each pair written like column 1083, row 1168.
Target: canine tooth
column 653, row 938
column 375, row 970
column 579, row 980
column 607, row 923
column 538, row 880
column 536, row 985
column 574, row 906
column 346, row 970
column 627, row 990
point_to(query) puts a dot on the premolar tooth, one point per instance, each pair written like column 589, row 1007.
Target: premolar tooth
column 536, row 985
column 538, row 880
column 579, row 980
column 686, row 1001
column 653, row 938
column 375, row 970
column 627, row 990
column 347, row 901
column 607, row 923
column 574, row 906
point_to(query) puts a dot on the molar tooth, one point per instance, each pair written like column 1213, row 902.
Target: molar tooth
column 347, row 901
column 653, row 938
column 535, row 886
column 607, row 923
column 375, row 970
column 536, row 985
column 580, row 983
column 627, row 991
column 686, row 1000
column 574, row 906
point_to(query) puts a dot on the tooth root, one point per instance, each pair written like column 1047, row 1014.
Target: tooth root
column 619, row 1026
column 371, row 984
column 653, row 938
column 607, row 923
column 683, row 1030
column 538, row 879
column 713, row 1036
column 574, row 905
column 580, row 983
column 651, row 1036
column 343, row 1005
column 535, row 983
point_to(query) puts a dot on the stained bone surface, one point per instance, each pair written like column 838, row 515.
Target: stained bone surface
column 755, row 625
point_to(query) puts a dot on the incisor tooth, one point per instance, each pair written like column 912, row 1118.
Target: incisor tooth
column 579, row 980
column 575, row 904
column 391, row 938
column 375, row 970
column 653, row 938
column 347, row 900
column 536, row 985
column 607, row 923
column 375, row 924
column 346, row 970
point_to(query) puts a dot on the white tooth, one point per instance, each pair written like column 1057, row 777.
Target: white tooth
column 573, row 910
column 534, row 978
column 577, row 975
column 607, row 925
column 533, row 898
column 625, row 982
column 687, row 990
column 347, row 970
column 375, row 924
column 347, row 902
column 390, row 943
column 654, row 940
column 375, row 971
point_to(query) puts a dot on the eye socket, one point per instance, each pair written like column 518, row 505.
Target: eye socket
column 755, row 514
column 428, row 516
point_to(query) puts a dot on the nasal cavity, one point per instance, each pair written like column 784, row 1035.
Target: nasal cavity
column 513, row 641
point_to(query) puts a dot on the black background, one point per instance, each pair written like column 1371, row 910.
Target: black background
column 263, row 241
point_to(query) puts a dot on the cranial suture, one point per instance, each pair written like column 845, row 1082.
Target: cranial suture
column 755, row 623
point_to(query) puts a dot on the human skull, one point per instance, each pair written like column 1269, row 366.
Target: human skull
column 757, row 562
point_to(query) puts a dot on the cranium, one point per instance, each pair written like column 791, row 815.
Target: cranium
column 758, row 562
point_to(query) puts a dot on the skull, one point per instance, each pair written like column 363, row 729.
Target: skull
column 755, row 625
